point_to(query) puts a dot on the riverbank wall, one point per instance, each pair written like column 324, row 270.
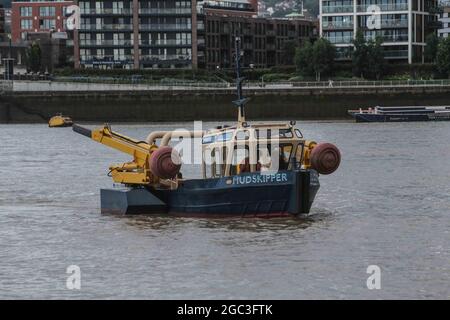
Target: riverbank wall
column 208, row 104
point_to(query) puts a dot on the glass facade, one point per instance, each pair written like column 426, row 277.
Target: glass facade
column 402, row 25
column 158, row 33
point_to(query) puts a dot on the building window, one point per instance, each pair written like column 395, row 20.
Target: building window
column 47, row 23
column 26, row 24
column 26, row 11
column 47, row 11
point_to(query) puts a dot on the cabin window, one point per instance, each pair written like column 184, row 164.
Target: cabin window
column 282, row 152
column 243, row 135
column 240, row 154
column 283, row 133
column 218, row 157
column 298, row 133
column 208, row 140
column 285, row 156
column 224, row 137
column 263, row 134
column 299, row 153
column 274, row 133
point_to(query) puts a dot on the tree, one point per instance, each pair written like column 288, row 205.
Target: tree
column 323, row 55
column 367, row 57
column 431, row 48
column 33, row 57
column 289, row 49
column 375, row 59
column 359, row 56
column 443, row 56
column 303, row 58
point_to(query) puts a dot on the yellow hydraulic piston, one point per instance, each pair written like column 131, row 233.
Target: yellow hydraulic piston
column 136, row 172
column 307, row 149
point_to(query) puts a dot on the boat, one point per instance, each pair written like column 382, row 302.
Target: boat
column 402, row 114
column 248, row 170
column 60, row 121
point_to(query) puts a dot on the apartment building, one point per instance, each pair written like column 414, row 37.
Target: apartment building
column 444, row 18
column 264, row 42
column 37, row 16
column 402, row 24
column 143, row 34
column 137, row 34
column 2, row 20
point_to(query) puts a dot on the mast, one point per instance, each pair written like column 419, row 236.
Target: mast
column 241, row 100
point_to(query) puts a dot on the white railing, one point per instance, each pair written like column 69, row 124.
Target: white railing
column 6, row 85
column 111, row 83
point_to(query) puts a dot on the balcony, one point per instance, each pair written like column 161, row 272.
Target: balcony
column 383, row 7
column 389, row 38
column 106, row 27
column 106, row 43
column 346, row 55
column 165, row 43
column 393, row 23
column 399, row 54
column 107, row 11
column 389, row 23
column 107, row 60
column 340, row 40
column 337, row 9
column 157, row 58
column 271, row 33
column 165, row 27
column 165, row 11
column 327, row 25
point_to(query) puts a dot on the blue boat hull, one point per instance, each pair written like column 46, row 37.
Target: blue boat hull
column 251, row 195
column 372, row 117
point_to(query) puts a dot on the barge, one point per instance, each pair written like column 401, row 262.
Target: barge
column 402, row 114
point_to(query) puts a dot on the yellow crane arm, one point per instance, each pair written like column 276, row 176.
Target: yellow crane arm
column 134, row 172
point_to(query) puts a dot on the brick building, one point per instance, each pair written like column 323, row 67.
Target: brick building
column 266, row 42
column 37, row 16
column 2, row 20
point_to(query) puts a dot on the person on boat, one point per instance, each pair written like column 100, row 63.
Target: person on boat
column 265, row 161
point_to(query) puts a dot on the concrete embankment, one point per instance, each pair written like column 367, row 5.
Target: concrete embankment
column 133, row 104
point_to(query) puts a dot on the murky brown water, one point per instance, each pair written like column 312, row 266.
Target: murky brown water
column 388, row 205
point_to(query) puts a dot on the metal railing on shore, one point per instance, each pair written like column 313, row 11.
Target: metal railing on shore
column 6, row 85
column 109, row 83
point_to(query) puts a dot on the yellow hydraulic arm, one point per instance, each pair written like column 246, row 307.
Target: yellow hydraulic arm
column 136, row 172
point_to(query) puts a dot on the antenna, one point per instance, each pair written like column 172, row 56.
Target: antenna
column 241, row 100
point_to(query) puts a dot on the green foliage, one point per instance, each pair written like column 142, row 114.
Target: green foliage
column 303, row 58
column 359, row 55
column 315, row 59
column 323, row 55
column 274, row 77
column 443, row 57
column 375, row 59
column 289, row 49
column 33, row 58
column 368, row 57
column 432, row 43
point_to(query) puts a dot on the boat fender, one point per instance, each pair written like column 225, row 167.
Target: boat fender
column 325, row 158
column 165, row 163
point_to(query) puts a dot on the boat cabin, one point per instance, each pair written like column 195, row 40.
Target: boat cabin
column 229, row 151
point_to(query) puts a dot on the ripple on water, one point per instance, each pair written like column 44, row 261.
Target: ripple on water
column 388, row 204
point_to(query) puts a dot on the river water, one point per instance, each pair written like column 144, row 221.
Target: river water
column 388, row 205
